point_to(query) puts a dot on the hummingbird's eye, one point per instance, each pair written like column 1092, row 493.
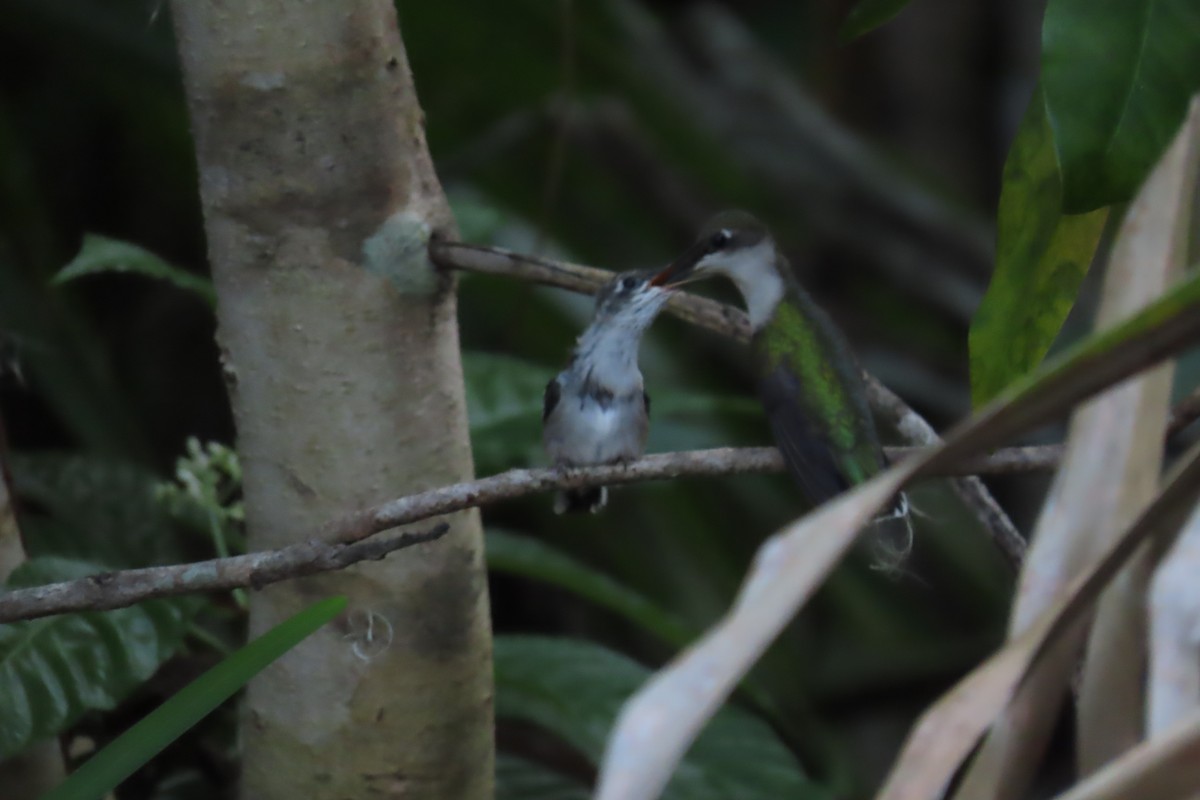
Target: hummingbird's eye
column 719, row 240
column 628, row 283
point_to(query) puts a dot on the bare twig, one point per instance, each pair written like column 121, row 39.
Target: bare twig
column 723, row 319
column 108, row 590
column 913, row 427
column 340, row 544
column 731, row 322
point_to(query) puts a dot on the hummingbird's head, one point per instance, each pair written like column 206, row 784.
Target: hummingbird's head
column 630, row 300
column 733, row 243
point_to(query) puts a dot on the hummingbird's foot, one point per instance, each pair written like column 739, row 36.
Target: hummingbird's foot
column 900, row 510
column 894, row 536
column 585, row 498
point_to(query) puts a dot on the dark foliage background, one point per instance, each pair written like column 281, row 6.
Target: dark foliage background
column 604, row 132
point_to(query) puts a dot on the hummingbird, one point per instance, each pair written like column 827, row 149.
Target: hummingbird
column 597, row 411
column 810, row 385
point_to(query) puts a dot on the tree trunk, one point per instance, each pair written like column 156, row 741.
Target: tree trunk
column 341, row 355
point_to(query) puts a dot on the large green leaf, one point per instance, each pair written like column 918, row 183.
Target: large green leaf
column 531, row 558
column 100, row 254
column 97, row 509
column 519, row 779
column 54, row 669
column 575, row 689
column 103, row 771
column 867, row 15
column 1117, row 78
column 1042, row 256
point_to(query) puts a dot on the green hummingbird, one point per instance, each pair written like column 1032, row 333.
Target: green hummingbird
column 809, row 382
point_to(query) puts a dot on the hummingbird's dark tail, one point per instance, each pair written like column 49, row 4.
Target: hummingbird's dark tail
column 572, row 501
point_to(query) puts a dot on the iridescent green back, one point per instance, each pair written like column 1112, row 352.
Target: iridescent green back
column 815, row 398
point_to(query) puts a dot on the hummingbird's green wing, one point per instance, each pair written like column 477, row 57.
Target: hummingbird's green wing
column 806, row 451
column 814, row 399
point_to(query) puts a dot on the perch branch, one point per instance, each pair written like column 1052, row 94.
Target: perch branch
column 339, row 544
column 108, row 590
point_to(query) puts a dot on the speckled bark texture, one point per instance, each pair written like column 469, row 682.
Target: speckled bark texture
column 342, row 360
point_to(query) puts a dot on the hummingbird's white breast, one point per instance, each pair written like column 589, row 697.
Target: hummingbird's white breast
column 585, row 429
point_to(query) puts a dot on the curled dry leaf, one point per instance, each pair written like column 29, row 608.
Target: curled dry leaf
column 1150, row 253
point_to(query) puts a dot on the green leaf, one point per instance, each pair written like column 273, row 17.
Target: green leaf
column 504, row 406
column 1117, row 77
column 1042, row 257
column 1161, row 329
column 531, row 558
column 518, row 779
column 867, row 15
column 479, row 219
column 575, row 690
column 103, row 771
column 54, row 669
column 96, row 509
column 100, row 254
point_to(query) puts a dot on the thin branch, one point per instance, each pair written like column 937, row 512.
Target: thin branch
column 718, row 317
column 660, row 466
column 974, row 494
column 108, row 590
column 340, row 544
column 729, row 321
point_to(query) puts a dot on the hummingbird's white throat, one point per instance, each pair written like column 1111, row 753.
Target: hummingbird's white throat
column 754, row 272
column 608, row 348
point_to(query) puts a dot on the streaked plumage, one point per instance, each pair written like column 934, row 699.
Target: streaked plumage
column 596, row 411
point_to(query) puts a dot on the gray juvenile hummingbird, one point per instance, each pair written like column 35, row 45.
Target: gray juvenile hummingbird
column 596, row 411
column 809, row 382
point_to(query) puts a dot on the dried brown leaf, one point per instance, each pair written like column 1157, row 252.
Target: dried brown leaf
column 1164, row 768
column 948, row 731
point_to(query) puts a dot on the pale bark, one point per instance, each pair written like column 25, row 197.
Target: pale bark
column 342, row 358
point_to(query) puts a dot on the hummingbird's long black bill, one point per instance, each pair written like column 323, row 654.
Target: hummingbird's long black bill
column 680, row 270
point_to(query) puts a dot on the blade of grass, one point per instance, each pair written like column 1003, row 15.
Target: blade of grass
column 106, row 769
